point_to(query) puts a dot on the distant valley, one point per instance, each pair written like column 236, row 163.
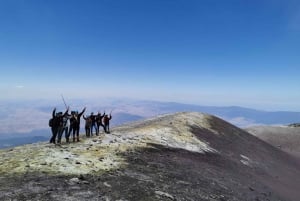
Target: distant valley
column 27, row 122
column 16, row 141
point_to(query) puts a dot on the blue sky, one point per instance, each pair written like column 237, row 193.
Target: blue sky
column 211, row 52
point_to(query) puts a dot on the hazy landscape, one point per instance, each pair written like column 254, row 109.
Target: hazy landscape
column 204, row 97
column 27, row 121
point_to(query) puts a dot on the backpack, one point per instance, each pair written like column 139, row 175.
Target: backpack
column 51, row 122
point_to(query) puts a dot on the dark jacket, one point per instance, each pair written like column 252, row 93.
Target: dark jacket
column 77, row 122
column 58, row 119
column 106, row 119
column 99, row 118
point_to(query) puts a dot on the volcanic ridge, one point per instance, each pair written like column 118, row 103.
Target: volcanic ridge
column 181, row 156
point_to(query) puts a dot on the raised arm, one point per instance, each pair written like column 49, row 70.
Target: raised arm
column 53, row 113
column 66, row 112
column 82, row 112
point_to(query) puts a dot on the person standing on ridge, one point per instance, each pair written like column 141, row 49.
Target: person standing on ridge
column 66, row 126
column 54, row 123
column 73, row 120
column 88, row 124
column 106, row 120
column 93, row 125
column 63, row 120
column 77, row 124
column 99, row 123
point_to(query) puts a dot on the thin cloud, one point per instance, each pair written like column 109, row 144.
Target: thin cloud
column 19, row 86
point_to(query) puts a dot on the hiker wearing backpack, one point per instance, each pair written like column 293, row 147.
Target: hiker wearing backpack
column 106, row 120
column 55, row 123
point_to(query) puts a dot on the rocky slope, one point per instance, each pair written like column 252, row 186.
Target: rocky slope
column 286, row 138
column 183, row 156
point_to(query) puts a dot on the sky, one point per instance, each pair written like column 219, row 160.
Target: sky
column 206, row 52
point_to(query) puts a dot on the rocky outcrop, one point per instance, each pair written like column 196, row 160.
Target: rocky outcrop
column 182, row 156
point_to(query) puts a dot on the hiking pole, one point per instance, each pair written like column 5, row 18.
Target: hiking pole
column 64, row 101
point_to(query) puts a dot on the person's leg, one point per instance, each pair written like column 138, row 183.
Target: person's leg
column 60, row 132
column 54, row 133
column 91, row 129
column 74, row 133
column 95, row 126
column 77, row 133
column 97, row 129
column 69, row 133
column 105, row 128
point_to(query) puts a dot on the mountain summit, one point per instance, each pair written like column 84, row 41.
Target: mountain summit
column 181, row 156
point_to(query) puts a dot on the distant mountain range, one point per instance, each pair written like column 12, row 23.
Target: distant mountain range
column 28, row 122
column 239, row 116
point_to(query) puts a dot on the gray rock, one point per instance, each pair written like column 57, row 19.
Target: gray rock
column 164, row 194
column 74, row 181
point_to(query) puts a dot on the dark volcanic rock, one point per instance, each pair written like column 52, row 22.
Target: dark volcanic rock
column 197, row 157
column 286, row 138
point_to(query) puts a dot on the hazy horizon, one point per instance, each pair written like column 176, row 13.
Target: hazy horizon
column 196, row 52
column 24, row 122
column 32, row 115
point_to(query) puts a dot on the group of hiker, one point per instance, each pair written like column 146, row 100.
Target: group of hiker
column 70, row 123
